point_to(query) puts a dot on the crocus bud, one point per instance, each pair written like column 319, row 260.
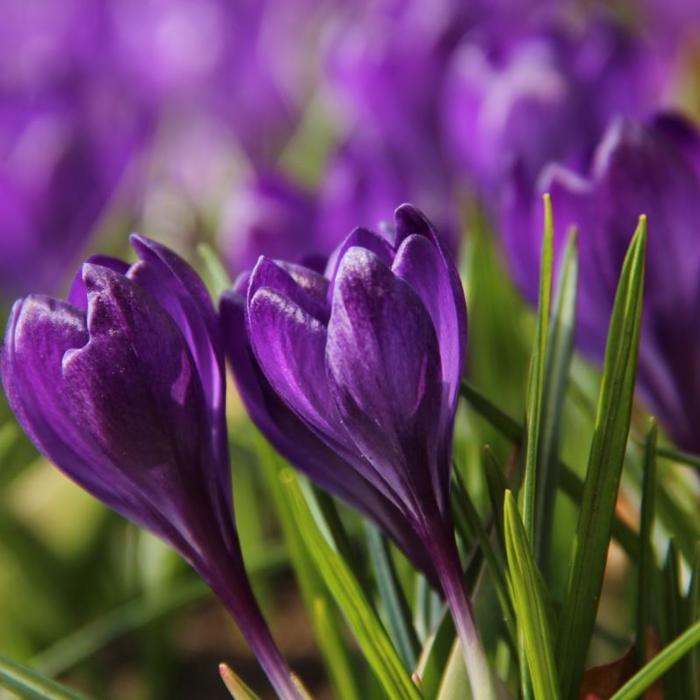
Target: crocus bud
column 652, row 169
column 122, row 387
column 368, row 358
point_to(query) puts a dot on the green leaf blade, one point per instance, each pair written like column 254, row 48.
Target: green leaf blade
column 605, row 462
column 531, row 610
column 348, row 594
column 32, row 685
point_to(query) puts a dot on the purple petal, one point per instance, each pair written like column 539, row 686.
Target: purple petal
column 289, row 344
column 362, row 238
column 41, row 332
column 297, row 443
column 304, row 287
column 78, row 292
column 385, row 375
column 181, row 292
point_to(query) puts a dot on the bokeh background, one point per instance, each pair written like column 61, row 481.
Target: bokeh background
column 233, row 128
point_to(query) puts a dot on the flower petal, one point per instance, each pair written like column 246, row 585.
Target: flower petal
column 39, row 334
column 330, row 467
column 136, row 357
column 363, row 238
column 180, row 291
column 78, row 292
column 385, row 375
column 289, row 344
column 304, row 287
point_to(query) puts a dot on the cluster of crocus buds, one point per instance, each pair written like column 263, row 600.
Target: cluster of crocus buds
column 352, row 374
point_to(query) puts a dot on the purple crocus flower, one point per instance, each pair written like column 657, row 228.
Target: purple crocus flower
column 651, row 168
column 122, row 386
column 354, row 376
column 270, row 215
column 386, row 70
column 517, row 99
column 60, row 163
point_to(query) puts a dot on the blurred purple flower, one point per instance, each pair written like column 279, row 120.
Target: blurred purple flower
column 271, row 216
column 60, row 164
column 354, row 376
column 386, row 73
column 240, row 62
column 518, row 99
column 123, row 388
column 68, row 131
column 365, row 179
column 651, row 169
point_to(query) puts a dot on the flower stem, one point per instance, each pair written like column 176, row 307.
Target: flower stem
column 235, row 593
column 450, row 575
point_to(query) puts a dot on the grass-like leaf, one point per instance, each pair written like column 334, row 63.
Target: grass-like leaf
column 396, row 608
column 647, row 565
column 348, row 594
column 463, row 504
column 31, row 685
column 686, row 458
column 536, row 377
column 677, row 681
column 316, row 599
column 570, row 483
column 605, row 462
column 496, row 486
column 558, row 362
column 656, row 668
column 531, row 609
column 693, row 604
column 235, row 685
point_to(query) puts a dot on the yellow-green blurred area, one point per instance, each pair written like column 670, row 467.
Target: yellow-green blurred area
column 89, row 599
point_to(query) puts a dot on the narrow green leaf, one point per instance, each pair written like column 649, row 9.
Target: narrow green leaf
column 422, row 607
column 215, row 273
column 455, row 679
column 435, row 656
column 528, row 597
column 682, row 522
column 328, row 634
column 29, row 684
column 677, row 681
column 536, row 377
column 463, row 504
column 496, row 485
column 686, row 458
column 570, row 483
column 330, row 640
column 605, row 462
column 665, row 659
column 693, row 604
column 558, row 357
column 235, row 685
column 398, row 613
column 647, row 564
column 348, row 594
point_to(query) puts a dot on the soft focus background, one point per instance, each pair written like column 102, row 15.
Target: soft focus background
column 274, row 127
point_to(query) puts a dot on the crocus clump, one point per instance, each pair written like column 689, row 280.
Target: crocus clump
column 122, row 387
column 651, row 167
column 367, row 358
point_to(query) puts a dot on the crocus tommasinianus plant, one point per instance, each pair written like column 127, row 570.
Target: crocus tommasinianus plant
column 368, row 359
column 651, row 168
column 122, row 387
